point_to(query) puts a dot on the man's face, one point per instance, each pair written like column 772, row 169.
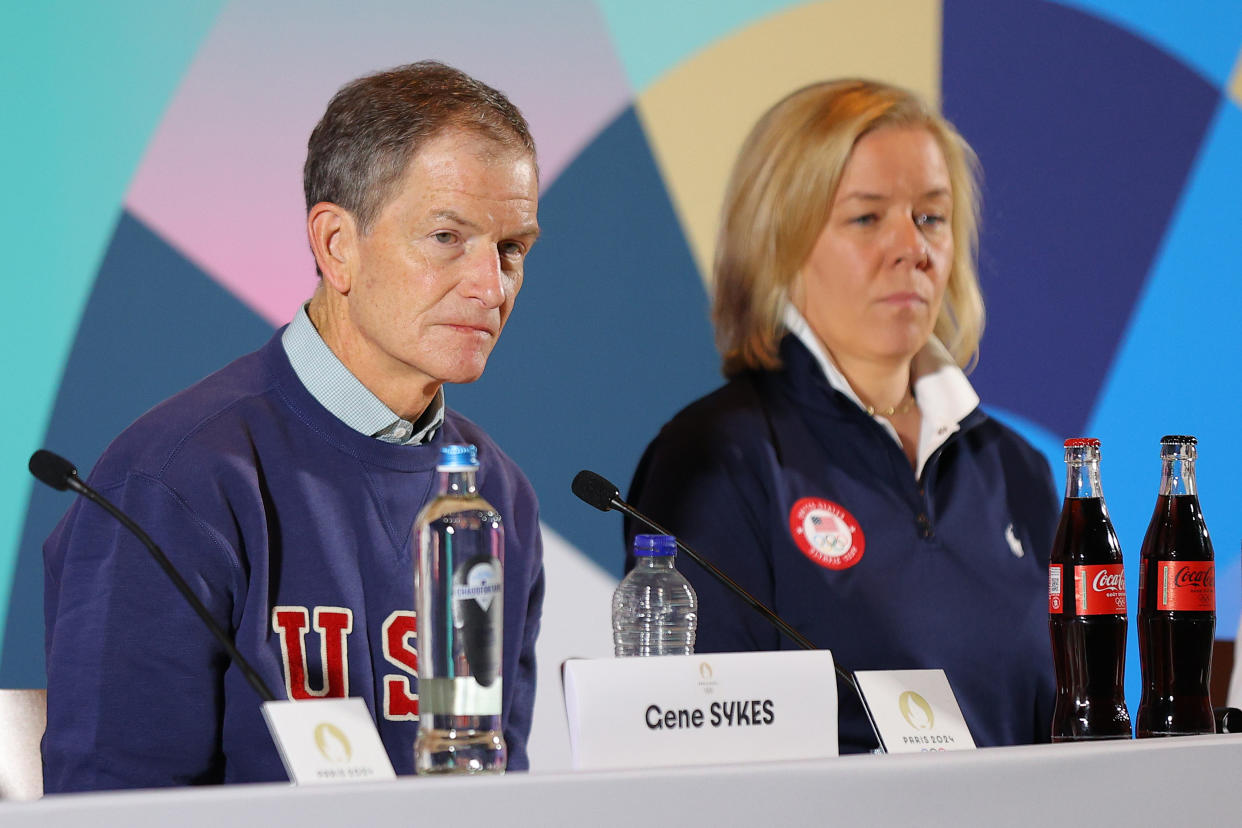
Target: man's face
column 436, row 277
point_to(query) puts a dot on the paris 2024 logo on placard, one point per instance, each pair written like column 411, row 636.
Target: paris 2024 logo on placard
column 826, row 533
column 332, row 742
column 916, row 711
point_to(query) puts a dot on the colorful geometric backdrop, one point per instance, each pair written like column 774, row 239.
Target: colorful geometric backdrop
column 153, row 157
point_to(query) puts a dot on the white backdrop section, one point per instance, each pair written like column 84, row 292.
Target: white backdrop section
column 577, row 622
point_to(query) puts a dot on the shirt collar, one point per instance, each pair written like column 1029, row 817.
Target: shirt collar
column 944, row 394
column 336, row 389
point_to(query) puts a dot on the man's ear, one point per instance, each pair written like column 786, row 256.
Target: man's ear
column 333, row 237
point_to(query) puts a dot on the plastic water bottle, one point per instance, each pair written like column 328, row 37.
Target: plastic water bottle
column 654, row 610
column 460, row 608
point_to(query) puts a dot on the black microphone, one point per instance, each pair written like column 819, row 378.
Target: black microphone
column 596, row 491
column 60, row 474
column 593, row 490
column 54, row 470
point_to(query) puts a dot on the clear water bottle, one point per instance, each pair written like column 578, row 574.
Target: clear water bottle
column 459, row 602
column 654, row 610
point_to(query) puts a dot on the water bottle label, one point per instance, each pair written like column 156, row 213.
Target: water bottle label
column 1056, row 598
column 461, row 696
column 1186, row 585
column 1100, row 589
column 482, row 585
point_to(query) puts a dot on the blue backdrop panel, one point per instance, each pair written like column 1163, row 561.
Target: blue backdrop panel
column 1203, row 33
column 1083, row 165
column 1176, row 373
column 610, row 336
column 116, row 370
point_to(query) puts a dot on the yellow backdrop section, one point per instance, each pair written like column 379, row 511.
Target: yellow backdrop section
column 1235, row 82
column 698, row 114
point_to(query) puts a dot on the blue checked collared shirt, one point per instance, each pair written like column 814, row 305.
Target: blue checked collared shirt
column 351, row 402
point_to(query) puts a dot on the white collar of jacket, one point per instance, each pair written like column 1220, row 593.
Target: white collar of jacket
column 944, row 394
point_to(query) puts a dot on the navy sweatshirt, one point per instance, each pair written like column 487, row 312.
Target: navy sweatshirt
column 804, row 499
column 295, row 531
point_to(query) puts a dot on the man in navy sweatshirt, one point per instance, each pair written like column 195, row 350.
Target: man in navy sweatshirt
column 284, row 486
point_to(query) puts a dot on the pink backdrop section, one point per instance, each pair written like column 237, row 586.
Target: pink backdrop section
column 222, row 178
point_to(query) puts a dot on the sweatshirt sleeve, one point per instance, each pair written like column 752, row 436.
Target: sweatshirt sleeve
column 135, row 680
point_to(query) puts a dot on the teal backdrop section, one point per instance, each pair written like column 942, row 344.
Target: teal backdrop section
column 85, row 85
column 190, row 327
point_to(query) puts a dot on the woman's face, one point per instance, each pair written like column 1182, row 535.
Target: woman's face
column 872, row 286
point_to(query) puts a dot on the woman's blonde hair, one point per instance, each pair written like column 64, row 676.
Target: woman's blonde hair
column 778, row 199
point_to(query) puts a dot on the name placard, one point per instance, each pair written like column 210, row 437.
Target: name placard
column 700, row 709
column 327, row 741
column 914, row 711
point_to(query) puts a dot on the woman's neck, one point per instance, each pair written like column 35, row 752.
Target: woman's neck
column 885, row 389
column 880, row 385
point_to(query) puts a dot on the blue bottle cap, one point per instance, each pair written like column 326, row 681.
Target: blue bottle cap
column 654, row 546
column 458, row 458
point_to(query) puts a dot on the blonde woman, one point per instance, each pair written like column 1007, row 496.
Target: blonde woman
column 846, row 472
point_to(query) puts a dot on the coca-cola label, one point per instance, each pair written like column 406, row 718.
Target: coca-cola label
column 1056, row 595
column 1186, row 585
column 1100, row 589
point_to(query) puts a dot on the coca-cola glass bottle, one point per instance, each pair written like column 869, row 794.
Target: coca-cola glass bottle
column 1087, row 607
column 1177, row 603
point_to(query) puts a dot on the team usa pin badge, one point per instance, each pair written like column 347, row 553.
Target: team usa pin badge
column 826, row 533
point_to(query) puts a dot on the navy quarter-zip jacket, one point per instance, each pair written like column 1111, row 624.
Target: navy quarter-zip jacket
column 948, row 570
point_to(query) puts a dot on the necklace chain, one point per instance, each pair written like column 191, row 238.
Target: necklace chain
column 901, row 408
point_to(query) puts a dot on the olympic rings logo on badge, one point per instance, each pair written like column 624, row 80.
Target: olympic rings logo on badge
column 826, row 533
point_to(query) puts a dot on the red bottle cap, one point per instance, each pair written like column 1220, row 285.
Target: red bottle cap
column 1082, row 441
